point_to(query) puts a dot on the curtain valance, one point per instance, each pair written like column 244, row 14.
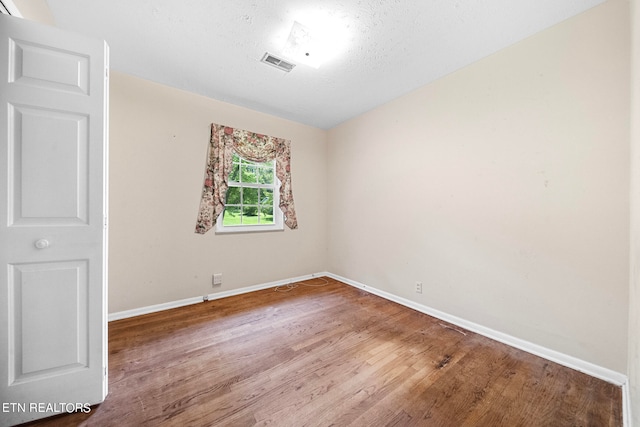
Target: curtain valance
column 251, row 146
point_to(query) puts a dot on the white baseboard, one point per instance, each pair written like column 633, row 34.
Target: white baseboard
column 552, row 355
column 216, row 295
column 261, row 286
column 153, row 308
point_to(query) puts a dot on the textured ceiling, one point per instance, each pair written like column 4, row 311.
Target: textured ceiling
column 381, row 48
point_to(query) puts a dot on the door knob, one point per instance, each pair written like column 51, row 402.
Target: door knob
column 42, row 243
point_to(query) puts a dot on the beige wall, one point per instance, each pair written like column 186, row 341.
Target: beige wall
column 504, row 188
column 158, row 144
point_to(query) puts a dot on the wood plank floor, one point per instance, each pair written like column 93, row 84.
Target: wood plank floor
column 330, row 355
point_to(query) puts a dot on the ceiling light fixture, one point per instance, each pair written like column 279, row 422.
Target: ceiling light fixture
column 303, row 46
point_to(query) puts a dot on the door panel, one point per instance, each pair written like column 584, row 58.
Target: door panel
column 48, row 175
column 48, row 67
column 53, row 204
column 39, row 347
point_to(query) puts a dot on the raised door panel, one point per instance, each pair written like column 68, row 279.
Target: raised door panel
column 48, row 67
column 48, row 319
column 48, row 175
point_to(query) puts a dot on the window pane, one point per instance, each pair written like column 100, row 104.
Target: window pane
column 265, row 176
column 236, row 158
column 249, row 196
column 266, row 215
column 266, row 197
column 249, row 215
column 233, row 196
column 248, row 173
column 235, row 173
column 232, row 216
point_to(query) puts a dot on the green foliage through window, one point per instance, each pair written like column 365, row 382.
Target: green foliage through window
column 249, row 199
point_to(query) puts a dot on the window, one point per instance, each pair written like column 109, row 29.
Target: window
column 252, row 199
column 264, row 200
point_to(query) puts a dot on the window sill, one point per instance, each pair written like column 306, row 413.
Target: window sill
column 236, row 229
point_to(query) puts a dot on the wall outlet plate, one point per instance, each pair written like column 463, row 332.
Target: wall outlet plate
column 217, row 279
column 418, row 287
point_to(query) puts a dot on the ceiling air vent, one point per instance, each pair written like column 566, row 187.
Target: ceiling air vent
column 274, row 61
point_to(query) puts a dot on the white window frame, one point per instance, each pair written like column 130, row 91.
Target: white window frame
column 278, row 220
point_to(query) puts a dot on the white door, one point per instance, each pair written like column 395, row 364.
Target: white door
column 53, row 165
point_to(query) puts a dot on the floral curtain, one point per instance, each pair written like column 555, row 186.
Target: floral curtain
column 252, row 146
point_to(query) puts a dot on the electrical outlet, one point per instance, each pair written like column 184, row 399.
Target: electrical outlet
column 418, row 287
column 217, row 279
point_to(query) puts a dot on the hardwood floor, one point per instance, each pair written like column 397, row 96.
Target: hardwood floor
column 330, row 355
